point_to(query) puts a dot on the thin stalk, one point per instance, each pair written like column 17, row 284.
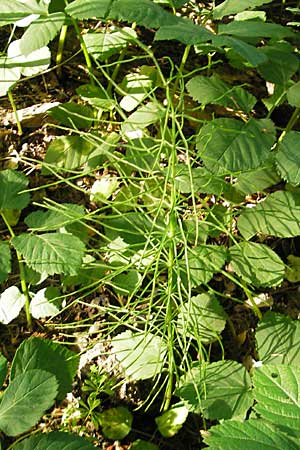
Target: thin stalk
column 61, row 44
column 85, row 51
column 13, row 105
column 24, row 286
column 291, row 123
column 181, row 67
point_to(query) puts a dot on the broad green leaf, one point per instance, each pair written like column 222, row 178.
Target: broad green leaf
column 170, row 422
column 102, row 189
column 25, row 400
column 62, row 215
column 5, row 261
column 126, row 283
column 12, row 183
column 45, row 303
column 278, row 215
column 248, row 52
column 13, row 10
column 143, row 12
column 278, row 340
column 56, row 359
column 140, row 444
column 41, row 32
column 253, row 28
column 137, row 86
column 249, row 435
column 51, row 252
column 140, row 355
column 202, row 262
column 257, row 180
column 199, row 179
column 292, row 273
column 144, row 116
column 103, row 45
column 288, row 158
column 3, row 370
column 96, row 96
column 229, row 7
column 229, row 145
column 103, row 148
column 87, row 9
column 257, row 264
column 212, row 89
column 28, row 63
column 184, row 31
column 220, row 390
column 277, row 392
column 67, row 152
column 11, row 303
column 282, row 64
column 54, row 440
column 116, row 422
column 293, row 95
column 202, row 317
column 8, row 76
column 73, row 115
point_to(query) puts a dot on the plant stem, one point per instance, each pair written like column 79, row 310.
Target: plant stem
column 13, row 105
column 291, row 123
column 85, row 51
column 61, row 44
column 24, row 286
column 181, row 67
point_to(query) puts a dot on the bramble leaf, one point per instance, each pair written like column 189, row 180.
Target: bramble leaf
column 288, row 158
column 55, row 439
column 12, row 183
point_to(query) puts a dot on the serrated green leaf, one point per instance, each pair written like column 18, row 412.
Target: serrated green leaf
column 293, row 95
column 229, row 7
column 29, row 63
column 257, row 264
column 73, row 115
column 278, row 215
column 3, row 370
column 8, row 76
column 144, row 116
column 253, row 28
column 281, row 64
column 249, row 435
column 34, row 387
column 12, row 183
column 198, row 178
column 278, row 340
column 45, row 303
column 143, row 12
column 212, row 89
column 184, row 31
column 137, row 85
column 103, row 45
column 5, row 261
column 126, row 283
column 11, row 303
column 248, row 52
column 63, row 215
column 170, row 422
column 13, row 10
column 220, row 390
column 41, row 32
column 87, row 9
column 140, row 355
column 51, row 252
column 288, row 158
column 229, row 145
column 67, row 152
column 140, row 444
column 55, row 439
column 96, row 96
column 277, row 392
column 202, row 317
column 203, row 262
column 258, row 180
column 56, row 359
column 116, row 422
column 102, row 189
